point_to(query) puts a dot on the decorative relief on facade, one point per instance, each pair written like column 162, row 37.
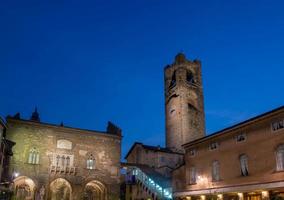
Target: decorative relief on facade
column 64, row 144
column 82, row 152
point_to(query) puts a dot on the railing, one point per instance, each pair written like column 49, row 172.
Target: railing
column 63, row 170
column 163, row 193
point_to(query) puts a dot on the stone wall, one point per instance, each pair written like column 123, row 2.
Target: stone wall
column 78, row 145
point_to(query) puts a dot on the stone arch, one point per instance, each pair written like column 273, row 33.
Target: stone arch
column 24, row 188
column 60, row 189
column 95, row 190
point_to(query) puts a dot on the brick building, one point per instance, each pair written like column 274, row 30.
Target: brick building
column 245, row 161
column 59, row 162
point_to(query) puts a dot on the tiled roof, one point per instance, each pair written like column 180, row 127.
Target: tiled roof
column 151, row 148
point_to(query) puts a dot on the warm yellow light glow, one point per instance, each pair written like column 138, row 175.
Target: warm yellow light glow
column 188, row 198
column 220, row 196
column 241, row 196
column 203, row 197
column 264, row 194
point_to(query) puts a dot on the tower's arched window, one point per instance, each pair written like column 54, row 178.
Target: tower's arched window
column 244, row 165
column 190, row 77
column 280, row 158
column 173, row 80
column 215, row 171
column 33, row 156
column 91, row 162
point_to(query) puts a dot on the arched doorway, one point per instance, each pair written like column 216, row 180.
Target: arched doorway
column 24, row 188
column 60, row 189
column 95, row 190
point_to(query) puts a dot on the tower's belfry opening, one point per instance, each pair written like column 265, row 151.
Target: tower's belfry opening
column 183, row 102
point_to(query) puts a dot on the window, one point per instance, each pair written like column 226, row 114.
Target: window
column 90, row 162
column 278, row 125
column 57, row 160
column 190, row 77
column 173, row 81
column 192, row 152
column 244, row 165
column 192, row 175
column 33, row 156
column 63, row 161
column 280, row 158
column 241, row 137
column 67, row 161
column 215, row 171
column 213, row 146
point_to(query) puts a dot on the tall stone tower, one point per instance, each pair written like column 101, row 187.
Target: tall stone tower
column 184, row 102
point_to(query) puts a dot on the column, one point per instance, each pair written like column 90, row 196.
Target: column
column 241, row 196
column 264, row 195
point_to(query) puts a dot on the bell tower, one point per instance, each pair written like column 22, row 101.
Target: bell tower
column 184, row 105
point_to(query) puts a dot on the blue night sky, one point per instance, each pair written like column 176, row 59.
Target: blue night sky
column 85, row 63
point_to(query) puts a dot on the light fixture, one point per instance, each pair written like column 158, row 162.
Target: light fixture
column 16, row 174
column 264, row 194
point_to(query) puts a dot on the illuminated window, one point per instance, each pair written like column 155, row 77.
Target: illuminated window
column 280, row 158
column 192, row 152
column 33, row 156
column 192, row 175
column 215, row 171
column 213, row 146
column 244, row 165
column 90, row 162
column 241, row 137
column 278, row 125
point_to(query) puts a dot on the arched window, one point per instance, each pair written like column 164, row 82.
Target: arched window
column 190, row 77
column 63, row 161
column 215, row 171
column 57, row 160
column 174, row 80
column 192, row 175
column 280, row 158
column 91, row 162
column 67, row 161
column 244, row 165
column 33, row 156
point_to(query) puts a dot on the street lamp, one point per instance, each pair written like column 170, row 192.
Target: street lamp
column 16, row 174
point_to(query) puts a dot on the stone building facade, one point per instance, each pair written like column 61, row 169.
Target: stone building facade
column 59, row 162
column 184, row 107
column 148, row 168
column 161, row 159
column 245, row 161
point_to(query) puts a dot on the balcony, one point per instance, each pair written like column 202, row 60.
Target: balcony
column 63, row 170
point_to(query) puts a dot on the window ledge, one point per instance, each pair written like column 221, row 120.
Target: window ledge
column 278, row 171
